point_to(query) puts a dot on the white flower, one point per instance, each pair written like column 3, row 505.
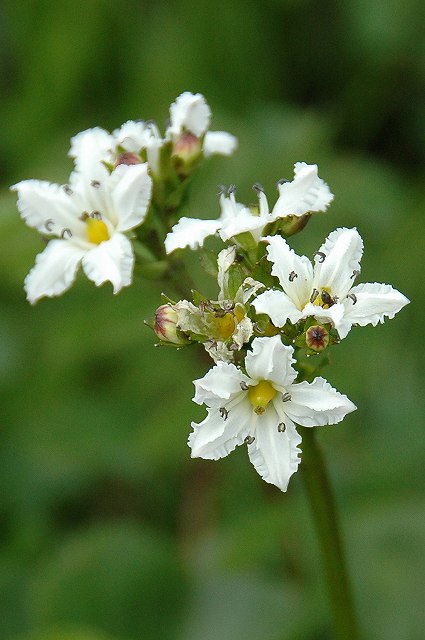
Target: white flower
column 89, row 218
column 190, row 112
column 306, row 193
column 260, row 408
column 326, row 290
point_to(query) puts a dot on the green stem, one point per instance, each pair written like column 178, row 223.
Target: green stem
column 322, row 503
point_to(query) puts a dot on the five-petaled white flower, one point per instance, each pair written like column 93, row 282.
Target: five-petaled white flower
column 326, row 290
column 306, row 193
column 260, row 408
column 89, row 217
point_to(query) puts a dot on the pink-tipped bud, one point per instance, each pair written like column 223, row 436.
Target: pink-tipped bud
column 128, row 158
column 165, row 325
column 317, row 338
column 187, row 149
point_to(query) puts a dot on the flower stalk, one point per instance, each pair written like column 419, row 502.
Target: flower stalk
column 322, row 505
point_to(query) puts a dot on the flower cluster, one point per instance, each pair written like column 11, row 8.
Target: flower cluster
column 119, row 182
column 273, row 310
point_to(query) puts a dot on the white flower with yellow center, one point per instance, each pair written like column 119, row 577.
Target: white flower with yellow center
column 326, row 290
column 261, row 408
column 306, row 193
column 89, row 218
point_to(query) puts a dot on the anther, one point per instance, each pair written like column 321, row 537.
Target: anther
column 258, row 188
column 221, row 189
column 228, row 305
column 259, row 329
column 320, row 255
column 244, row 386
column 223, row 413
column 314, row 295
column 249, row 439
column 49, row 224
column 286, row 397
column 292, row 276
column 281, row 427
column 282, row 181
column 353, row 297
column 67, row 189
column 95, row 184
column 96, row 215
column 231, row 189
column 355, row 273
column 66, row 233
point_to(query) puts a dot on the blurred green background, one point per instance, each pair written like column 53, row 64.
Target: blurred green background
column 108, row 530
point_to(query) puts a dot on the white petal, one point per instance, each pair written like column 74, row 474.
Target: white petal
column 317, row 403
column 307, row 192
column 130, row 194
column 47, row 207
column 295, row 272
column 335, row 315
column 242, row 222
column 218, row 384
column 190, row 112
column 278, row 306
column 372, row 303
column 134, row 136
column 270, row 360
column 54, row 270
column 225, row 259
column 217, row 435
column 110, row 261
column 219, row 142
column 90, row 149
column 190, row 232
column 275, row 454
column 343, row 249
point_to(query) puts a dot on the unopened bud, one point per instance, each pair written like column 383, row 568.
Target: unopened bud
column 317, row 338
column 187, row 149
column 165, row 325
column 127, row 158
column 290, row 225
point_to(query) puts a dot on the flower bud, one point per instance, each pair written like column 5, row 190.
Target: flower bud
column 317, row 338
column 165, row 325
column 127, row 158
column 187, row 149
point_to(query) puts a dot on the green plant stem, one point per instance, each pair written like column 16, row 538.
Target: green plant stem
column 317, row 484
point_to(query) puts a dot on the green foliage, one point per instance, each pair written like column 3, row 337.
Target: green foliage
column 108, row 530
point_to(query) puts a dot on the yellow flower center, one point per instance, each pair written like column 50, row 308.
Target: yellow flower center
column 260, row 396
column 225, row 326
column 324, row 298
column 97, row 231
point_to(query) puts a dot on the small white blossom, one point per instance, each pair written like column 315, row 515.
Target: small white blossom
column 306, row 193
column 260, row 408
column 89, row 218
column 326, row 291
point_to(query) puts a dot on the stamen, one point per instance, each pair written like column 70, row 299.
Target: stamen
column 281, row 427
column 221, row 189
column 249, row 439
column 95, row 184
column 49, row 224
column 292, row 276
column 282, row 181
column 320, row 254
column 223, row 413
column 258, row 188
column 244, row 386
column 66, row 232
column 286, row 397
column 355, row 273
column 353, row 297
column 231, row 189
column 67, row 189
column 96, row 215
column 314, row 296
